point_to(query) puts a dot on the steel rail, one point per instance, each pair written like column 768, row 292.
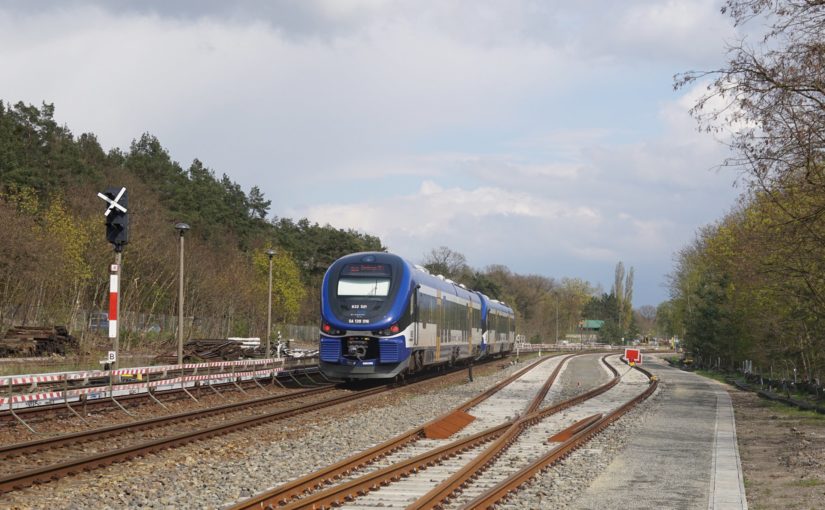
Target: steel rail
column 349, row 490
column 294, row 489
column 506, row 487
column 448, row 487
column 47, row 473
column 98, row 433
column 44, row 474
column 542, row 393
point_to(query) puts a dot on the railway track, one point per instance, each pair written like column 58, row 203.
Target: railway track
column 40, row 461
column 423, row 472
column 421, row 438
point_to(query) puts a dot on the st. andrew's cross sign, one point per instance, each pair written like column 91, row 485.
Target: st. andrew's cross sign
column 117, row 219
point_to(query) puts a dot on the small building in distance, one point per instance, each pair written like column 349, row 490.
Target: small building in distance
column 589, row 330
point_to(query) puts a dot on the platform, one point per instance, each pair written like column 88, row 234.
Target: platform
column 684, row 454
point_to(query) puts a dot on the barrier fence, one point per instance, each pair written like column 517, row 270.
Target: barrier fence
column 27, row 396
column 525, row 347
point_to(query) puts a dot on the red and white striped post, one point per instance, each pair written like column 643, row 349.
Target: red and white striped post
column 114, row 305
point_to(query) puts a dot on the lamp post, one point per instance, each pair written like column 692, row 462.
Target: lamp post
column 557, row 320
column 181, row 228
column 271, row 254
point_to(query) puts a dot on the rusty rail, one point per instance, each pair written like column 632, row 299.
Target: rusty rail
column 454, row 483
column 290, row 491
column 45, row 474
column 577, row 438
column 285, row 496
column 99, row 433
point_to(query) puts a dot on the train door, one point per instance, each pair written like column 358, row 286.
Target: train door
column 439, row 324
column 468, row 329
column 492, row 331
column 415, row 316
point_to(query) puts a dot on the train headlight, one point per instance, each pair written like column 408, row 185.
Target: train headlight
column 392, row 330
column 328, row 329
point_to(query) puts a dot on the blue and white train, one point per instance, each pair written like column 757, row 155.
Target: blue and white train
column 382, row 317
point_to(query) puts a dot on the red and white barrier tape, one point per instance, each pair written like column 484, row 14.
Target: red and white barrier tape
column 17, row 380
column 106, row 391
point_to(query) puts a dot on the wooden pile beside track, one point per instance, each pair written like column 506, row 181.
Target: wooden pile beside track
column 208, row 349
column 28, row 341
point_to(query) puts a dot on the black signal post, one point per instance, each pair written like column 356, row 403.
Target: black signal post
column 117, row 217
column 117, row 233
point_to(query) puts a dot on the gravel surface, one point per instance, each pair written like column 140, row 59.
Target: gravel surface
column 220, row 471
column 562, row 484
column 63, row 422
column 581, row 374
column 504, row 406
column 532, row 443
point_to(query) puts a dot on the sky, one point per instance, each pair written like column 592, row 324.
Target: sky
column 542, row 135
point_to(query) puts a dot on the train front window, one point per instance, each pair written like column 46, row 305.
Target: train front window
column 363, row 287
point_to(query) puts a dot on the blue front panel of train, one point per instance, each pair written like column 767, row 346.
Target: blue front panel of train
column 393, row 350
column 330, row 349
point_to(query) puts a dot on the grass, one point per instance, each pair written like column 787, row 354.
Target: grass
column 716, row 376
column 811, row 482
column 809, row 417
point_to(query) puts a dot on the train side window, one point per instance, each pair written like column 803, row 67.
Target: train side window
column 426, row 307
column 423, row 312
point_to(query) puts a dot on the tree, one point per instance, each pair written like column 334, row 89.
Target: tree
column 484, row 284
column 772, row 94
column 623, row 293
column 54, row 259
column 771, row 101
column 448, row 263
column 751, row 285
column 605, row 308
column 288, row 291
column 668, row 322
column 258, row 207
column 645, row 317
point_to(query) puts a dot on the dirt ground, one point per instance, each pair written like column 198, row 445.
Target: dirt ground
column 783, row 453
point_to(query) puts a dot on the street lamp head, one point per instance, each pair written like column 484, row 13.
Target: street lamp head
column 181, row 228
column 271, row 252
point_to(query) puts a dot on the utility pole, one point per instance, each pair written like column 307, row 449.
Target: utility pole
column 271, row 253
column 181, row 228
column 557, row 319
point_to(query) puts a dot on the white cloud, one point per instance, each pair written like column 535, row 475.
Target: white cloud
column 491, row 127
column 433, row 211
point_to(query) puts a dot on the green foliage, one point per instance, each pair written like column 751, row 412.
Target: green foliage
column 544, row 307
column 606, row 308
column 54, row 260
column 484, row 284
column 67, row 234
column 316, row 247
column 35, row 152
column 288, row 291
column 752, row 285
